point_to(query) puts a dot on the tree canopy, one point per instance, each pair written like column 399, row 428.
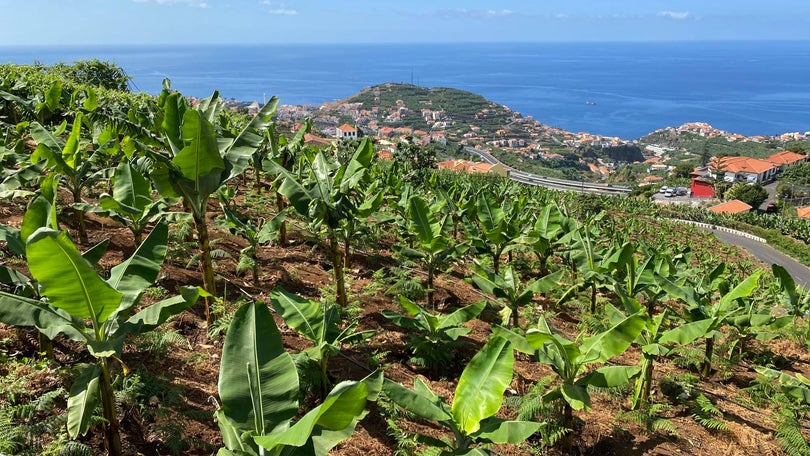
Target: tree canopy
column 752, row 194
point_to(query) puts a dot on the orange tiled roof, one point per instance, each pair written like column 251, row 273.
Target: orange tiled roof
column 456, row 165
column 730, row 207
column 785, row 157
column 803, row 212
column 315, row 140
column 346, row 128
column 652, row 160
column 741, row 165
column 480, row 168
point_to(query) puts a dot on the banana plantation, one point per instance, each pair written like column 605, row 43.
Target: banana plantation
column 180, row 278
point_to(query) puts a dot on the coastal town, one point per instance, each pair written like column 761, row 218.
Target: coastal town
column 452, row 121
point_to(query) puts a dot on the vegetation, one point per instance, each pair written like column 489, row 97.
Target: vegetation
column 599, row 295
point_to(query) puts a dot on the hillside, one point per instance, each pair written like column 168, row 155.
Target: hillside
column 163, row 300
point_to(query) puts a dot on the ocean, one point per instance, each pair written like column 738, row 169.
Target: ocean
column 613, row 89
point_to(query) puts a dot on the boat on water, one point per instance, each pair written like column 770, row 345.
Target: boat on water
column 590, row 103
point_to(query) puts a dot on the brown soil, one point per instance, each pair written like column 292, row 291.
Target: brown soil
column 182, row 408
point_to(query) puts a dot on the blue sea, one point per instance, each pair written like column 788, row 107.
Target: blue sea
column 614, row 89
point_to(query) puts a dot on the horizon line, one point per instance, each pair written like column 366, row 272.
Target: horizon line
column 406, row 43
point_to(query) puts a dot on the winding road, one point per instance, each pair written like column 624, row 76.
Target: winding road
column 762, row 251
column 550, row 182
column 768, row 255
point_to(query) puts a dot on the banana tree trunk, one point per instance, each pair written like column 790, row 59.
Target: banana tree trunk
column 253, row 254
column 515, row 322
column 112, row 437
column 645, row 380
column 567, row 441
column 46, row 347
column 282, row 230
column 337, row 268
column 706, row 367
column 77, row 198
column 593, row 298
column 430, row 288
column 206, row 264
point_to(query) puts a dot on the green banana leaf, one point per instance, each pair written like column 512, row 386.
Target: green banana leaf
column 67, row 279
column 480, row 389
column 83, row 399
column 258, row 383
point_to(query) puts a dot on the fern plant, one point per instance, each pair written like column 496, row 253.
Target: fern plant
column 789, row 433
column 31, row 429
column 650, row 417
column 531, row 407
column 708, row 415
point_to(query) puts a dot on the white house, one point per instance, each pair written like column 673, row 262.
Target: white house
column 346, row 131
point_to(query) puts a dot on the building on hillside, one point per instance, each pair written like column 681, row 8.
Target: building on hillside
column 346, row 131
column 473, row 167
column 786, row 159
column 742, row 169
column 651, row 180
column 317, row 141
column 731, row 207
column 702, row 185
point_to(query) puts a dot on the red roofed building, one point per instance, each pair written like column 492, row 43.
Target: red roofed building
column 786, row 158
column 742, row 169
column 702, row 185
column 731, row 207
column 317, row 141
column 455, row 165
column 346, row 131
column 803, row 212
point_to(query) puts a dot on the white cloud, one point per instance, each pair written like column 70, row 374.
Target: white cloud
column 280, row 10
column 192, row 3
column 477, row 13
column 677, row 15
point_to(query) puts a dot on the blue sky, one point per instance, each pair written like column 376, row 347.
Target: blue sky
column 48, row 22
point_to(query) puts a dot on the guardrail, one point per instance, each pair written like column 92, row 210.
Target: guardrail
column 710, row 226
column 551, row 182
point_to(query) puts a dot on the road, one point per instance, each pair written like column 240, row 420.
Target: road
column 549, row 182
column 764, row 252
column 768, row 255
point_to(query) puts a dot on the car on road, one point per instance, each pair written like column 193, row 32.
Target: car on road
column 663, row 189
column 669, row 193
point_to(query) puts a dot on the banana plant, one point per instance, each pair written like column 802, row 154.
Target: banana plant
column 436, row 336
column 477, row 398
column 795, row 299
column 569, row 360
column 544, row 236
column 258, row 386
column 702, row 305
column 509, row 287
column 131, row 201
column 283, row 152
column 256, row 231
column 458, row 205
column 327, row 197
column 321, row 324
column 78, row 296
column 586, row 258
column 201, row 158
column 654, row 340
column 499, row 229
column 78, row 161
column 434, row 248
